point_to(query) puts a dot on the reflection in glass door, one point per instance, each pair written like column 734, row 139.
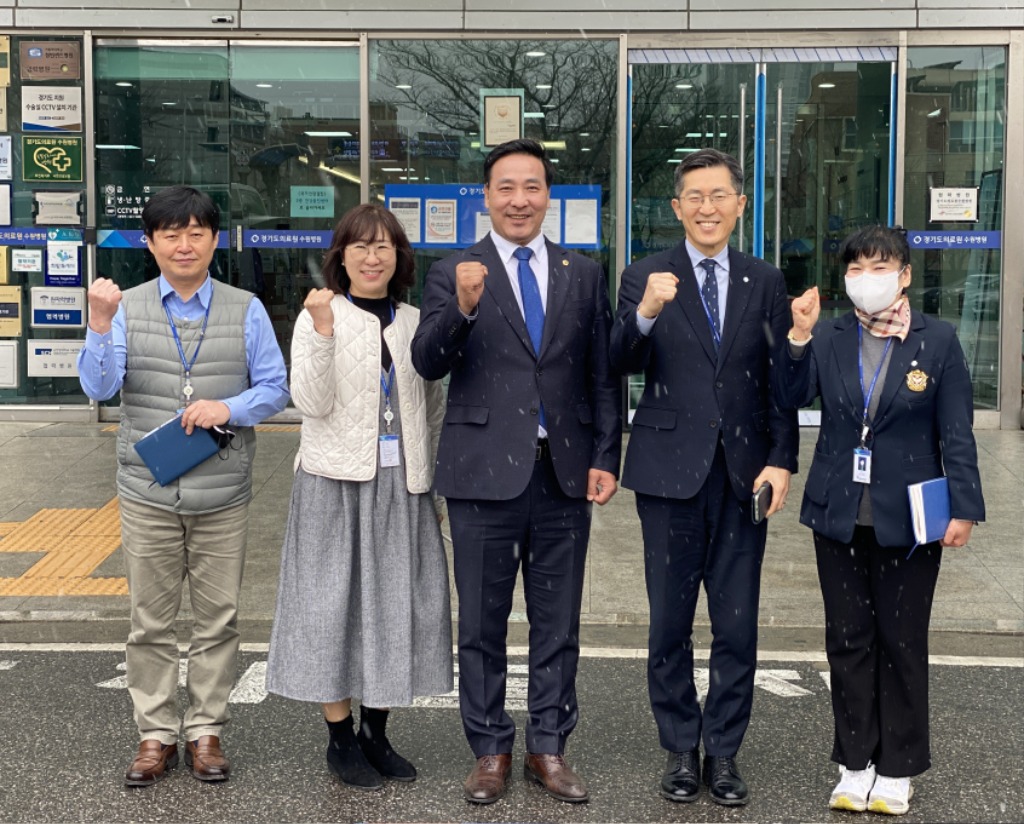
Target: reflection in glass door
column 269, row 131
column 811, row 127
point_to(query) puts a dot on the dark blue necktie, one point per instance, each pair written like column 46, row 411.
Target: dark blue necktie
column 533, row 308
column 709, row 291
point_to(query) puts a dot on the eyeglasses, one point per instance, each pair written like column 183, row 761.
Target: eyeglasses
column 717, row 198
column 381, row 250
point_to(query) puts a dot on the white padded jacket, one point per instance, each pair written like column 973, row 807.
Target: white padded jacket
column 336, row 385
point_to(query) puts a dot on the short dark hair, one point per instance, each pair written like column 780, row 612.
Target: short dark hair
column 523, row 146
column 876, row 241
column 708, row 159
column 174, row 208
column 367, row 223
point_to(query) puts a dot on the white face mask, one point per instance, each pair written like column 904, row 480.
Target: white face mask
column 872, row 293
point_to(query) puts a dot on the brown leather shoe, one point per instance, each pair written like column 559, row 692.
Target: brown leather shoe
column 486, row 783
column 151, row 763
column 206, row 759
column 555, row 776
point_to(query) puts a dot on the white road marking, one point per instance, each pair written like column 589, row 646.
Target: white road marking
column 8, row 665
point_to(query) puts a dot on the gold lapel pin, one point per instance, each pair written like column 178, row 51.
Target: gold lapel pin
column 917, row 381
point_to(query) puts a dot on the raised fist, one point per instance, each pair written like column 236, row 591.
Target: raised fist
column 318, row 304
column 805, row 309
column 661, row 289
column 104, row 298
column 469, row 284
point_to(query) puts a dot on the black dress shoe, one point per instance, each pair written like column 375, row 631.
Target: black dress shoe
column 725, row 784
column 681, row 781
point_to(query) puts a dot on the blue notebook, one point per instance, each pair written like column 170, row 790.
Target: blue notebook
column 170, row 453
column 929, row 509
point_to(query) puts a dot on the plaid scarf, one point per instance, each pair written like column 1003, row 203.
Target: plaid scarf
column 891, row 322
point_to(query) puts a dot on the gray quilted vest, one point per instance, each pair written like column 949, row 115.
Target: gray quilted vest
column 152, row 394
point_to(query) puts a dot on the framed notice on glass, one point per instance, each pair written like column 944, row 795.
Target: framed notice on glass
column 501, row 116
column 953, row 204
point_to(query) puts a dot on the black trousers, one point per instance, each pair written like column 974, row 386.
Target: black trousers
column 707, row 539
column 546, row 533
column 878, row 605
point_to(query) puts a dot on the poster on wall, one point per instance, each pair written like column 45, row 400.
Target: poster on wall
column 51, row 60
column 51, row 159
column 5, row 157
column 501, row 116
column 10, row 311
column 8, row 364
column 26, row 260
column 51, row 109
column 53, row 358
column 5, row 61
column 312, row 201
column 57, row 308
column 53, row 208
column 953, row 204
column 3, row 109
column 63, row 264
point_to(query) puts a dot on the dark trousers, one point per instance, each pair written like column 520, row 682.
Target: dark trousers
column 878, row 604
column 546, row 533
column 708, row 538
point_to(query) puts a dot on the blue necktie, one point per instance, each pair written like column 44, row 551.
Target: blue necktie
column 533, row 308
column 709, row 291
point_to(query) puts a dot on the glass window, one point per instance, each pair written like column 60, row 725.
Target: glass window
column 425, row 114
column 956, row 106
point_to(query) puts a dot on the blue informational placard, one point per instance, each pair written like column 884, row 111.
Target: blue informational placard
column 57, row 317
column 285, row 239
column 453, row 215
column 921, row 239
column 136, row 239
column 23, row 237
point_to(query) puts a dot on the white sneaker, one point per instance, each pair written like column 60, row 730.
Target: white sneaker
column 890, row 795
column 851, row 793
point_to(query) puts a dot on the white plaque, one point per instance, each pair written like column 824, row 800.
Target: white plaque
column 53, row 358
column 8, row 364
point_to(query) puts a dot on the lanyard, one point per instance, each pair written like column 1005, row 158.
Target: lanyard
column 707, row 313
column 188, row 364
column 871, row 390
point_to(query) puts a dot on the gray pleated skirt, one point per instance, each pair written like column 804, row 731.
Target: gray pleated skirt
column 363, row 605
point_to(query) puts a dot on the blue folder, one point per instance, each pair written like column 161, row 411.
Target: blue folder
column 929, row 509
column 170, row 453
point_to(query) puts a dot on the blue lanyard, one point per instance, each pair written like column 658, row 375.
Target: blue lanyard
column 385, row 385
column 860, row 367
column 188, row 364
column 707, row 313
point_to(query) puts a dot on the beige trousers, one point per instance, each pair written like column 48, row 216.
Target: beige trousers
column 161, row 549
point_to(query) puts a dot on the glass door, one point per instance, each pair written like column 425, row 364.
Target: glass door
column 270, row 131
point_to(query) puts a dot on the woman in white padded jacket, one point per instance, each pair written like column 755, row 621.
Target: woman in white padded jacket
column 363, row 604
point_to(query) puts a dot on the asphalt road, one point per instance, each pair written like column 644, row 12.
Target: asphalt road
column 67, row 737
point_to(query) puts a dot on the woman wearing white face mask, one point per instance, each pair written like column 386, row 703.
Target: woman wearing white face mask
column 897, row 408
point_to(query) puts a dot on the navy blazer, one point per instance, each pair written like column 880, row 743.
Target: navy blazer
column 488, row 441
column 692, row 396
column 918, row 435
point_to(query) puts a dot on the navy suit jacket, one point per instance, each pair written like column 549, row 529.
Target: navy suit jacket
column 691, row 395
column 918, row 435
column 488, row 441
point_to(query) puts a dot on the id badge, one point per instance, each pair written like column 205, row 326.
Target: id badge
column 862, row 465
column 388, row 450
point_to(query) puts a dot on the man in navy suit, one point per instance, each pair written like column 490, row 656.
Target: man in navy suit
column 701, row 321
column 531, row 437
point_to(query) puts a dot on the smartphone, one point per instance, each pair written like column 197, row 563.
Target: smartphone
column 761, row 502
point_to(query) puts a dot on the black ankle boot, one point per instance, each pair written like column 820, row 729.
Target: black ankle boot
column 377, row 749
column 346, row 759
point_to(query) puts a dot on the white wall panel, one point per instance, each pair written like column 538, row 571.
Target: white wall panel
column 798, row 5
column 124, row 18
column 577, row 6
column 820, row 20
column 351, row 20
column 372, row 7
column 130, row 5
column 974, row 4
column 555, row 21
column 970, row 18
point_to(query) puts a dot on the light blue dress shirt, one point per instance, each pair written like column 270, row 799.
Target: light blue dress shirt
column 102, row 361
column 645, row 325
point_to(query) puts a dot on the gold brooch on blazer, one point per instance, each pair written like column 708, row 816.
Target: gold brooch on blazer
column 917, row 381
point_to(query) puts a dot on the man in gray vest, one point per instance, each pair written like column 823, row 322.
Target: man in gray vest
column 183, row 344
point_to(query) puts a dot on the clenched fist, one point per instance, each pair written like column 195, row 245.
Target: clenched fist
column 805, row 309
column 104, row 298
column 318, row 304
column 469, row 284
column 661, row 289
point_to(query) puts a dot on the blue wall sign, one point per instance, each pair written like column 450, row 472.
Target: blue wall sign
column 920, row 239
